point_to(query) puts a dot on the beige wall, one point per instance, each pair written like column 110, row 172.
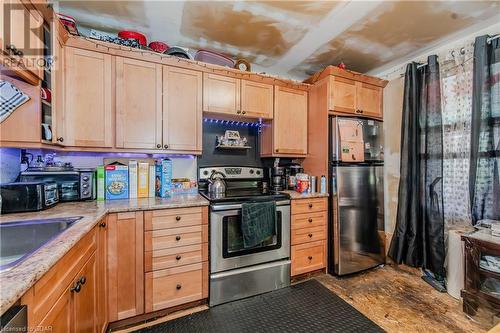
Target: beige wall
column 393, row 104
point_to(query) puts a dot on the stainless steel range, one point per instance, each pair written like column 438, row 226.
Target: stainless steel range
column 235, row 271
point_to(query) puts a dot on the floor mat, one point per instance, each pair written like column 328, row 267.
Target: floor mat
column 305, row 307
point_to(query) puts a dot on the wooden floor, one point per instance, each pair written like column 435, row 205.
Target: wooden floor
column 398, row 300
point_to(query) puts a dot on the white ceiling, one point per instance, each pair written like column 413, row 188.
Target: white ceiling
column 291, row 38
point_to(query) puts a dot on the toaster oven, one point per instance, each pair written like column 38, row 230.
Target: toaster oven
column 73, row 184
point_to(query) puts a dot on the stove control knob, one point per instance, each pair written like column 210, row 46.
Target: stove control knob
column 85, row 178
column 205, row 173
column 251, row 171
column 257, row 172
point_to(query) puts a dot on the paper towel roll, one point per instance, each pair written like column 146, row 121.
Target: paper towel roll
column 455, row 267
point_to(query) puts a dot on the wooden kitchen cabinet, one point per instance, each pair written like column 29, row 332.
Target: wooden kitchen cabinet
column 308, row 235
column 369, row 100
column 256, row 99
column 85, row 300
column 88, row 99
column 60, row 316
column 286, row 135
column 138, row 104
column 176, row 257
column 22, row 39
column 125, row 265
column 342, row 95
column 221, row 94
column 23, row 125
column 182, row 109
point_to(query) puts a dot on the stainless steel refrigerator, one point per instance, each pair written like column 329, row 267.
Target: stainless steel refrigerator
column 356, row 217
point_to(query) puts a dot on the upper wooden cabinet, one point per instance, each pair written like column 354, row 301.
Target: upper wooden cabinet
column 88, row 99
column 138, row 104
column 182, row 109
column 256, row 99
column 236, row 97
column 350, row 93
column 21, row 39
column 286, row 135
column 221, row 94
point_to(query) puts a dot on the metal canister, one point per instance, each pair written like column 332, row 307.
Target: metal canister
column 312, row 184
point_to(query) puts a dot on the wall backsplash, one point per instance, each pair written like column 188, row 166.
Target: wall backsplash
column 184, row 166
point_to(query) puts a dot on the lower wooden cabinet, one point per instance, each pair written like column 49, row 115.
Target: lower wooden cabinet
column 308, row 235
column 59, row 317
column 176, row 257
column 125, row 266
column 84, row 300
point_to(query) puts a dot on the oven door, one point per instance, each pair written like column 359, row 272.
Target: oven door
column 226, row 240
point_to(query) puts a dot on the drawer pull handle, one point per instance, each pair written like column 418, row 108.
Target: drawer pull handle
column 177, row 238
column 83, row 279
column 310, row 235
column 76, row 288
column 310, row 205
column 178, row 286
column 310, row 220
column 158, row 146
column 178, row 257
column 310, row 257
column 177, row 218
column 102, row 224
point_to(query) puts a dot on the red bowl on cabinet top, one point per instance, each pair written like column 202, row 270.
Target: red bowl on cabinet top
column 133, row 35
column 159, row 47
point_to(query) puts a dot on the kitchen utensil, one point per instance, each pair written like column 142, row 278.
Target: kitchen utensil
column 159, row 47
column 46, row 95
column 216, row 183
column 46, row 132
column 133, row 35
column 179, row 52
column 215, row 58
column 242, row 65
column 69, row 23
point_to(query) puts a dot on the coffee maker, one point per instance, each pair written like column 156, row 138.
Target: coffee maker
column 277, row 178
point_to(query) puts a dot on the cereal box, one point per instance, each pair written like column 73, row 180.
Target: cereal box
column 163, row 178
column 116, row 181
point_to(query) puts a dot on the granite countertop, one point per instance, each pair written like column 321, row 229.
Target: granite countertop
column 296, row 195
column 17, row 280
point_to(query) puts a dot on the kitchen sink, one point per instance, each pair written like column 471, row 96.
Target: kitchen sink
column 19, row 239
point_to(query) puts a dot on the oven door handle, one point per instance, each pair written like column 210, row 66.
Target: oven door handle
column 217, row 208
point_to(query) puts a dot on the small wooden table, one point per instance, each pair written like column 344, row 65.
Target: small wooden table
column 474, row 294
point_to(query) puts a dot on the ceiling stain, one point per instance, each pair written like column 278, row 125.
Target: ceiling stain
column 218, row 22
column 314, row 9
column 395, row 30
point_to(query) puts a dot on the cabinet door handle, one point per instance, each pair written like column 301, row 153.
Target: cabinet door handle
column 19, row 53
column 102, row 225
column 178, row 257
column 310, row 235
column 158, row 146
column 177, row 218
column 178, row 286
column 238, row 111
column 353, row 157
column 310, row 205
column 76, row 288
column 277, row 150
column 359, row 111
column 11, row 47
column 243, row 112
column 165, row 146
column 310, row 257
column 82, row 281
column 177, row 238
column 60, row 139
column 310, row 220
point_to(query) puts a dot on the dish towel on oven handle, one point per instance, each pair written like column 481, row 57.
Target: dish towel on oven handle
column 11, row 98
column 258, row 222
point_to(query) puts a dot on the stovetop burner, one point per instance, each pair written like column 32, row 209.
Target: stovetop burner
column 243, row 184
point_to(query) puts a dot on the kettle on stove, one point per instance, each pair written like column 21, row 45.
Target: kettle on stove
column 216, row 183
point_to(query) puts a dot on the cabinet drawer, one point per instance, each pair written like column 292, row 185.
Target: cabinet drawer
column 172, row 218
column 175, row 257
column 175, row 237
column 308, row 235
column 308, row 220
column 308, row 257
column 170, row 287
column 309, row 205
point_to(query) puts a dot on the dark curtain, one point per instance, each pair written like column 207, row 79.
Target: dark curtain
column 484, row 184
column 419, row 235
